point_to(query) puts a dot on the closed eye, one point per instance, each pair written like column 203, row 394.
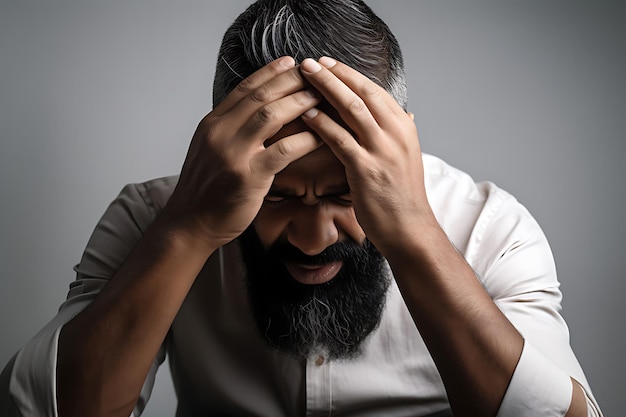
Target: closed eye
column 343, row 199
column 277, row 197
column 271, row 200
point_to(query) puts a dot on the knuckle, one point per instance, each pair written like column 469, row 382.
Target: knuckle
column 283, row 150
column 275, row 68
column 245, row 86
column 210, row 126
column 356, row 105
column 301, row 99
column 326, row 77
column 266, row 114
column 343, row 139
column 206, row 121
column 261, row 94
column 294, row 77
column 370, row 89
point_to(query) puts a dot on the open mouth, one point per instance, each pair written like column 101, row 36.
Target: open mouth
column 314, row 274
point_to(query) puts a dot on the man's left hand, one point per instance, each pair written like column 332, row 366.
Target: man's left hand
column 378, row 145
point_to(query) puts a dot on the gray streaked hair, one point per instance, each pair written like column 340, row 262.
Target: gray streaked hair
column 347, row 30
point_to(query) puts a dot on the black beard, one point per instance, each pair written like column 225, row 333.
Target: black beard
column 334, row 317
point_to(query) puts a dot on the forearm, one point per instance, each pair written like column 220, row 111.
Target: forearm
column 226, row 174
column 106, row 352
column 474, row 346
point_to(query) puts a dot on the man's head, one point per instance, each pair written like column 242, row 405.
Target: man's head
column 347, row 30
column 314, row 281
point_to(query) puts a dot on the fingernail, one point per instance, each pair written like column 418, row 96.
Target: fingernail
column 328, row 62
column 310, row 113
column 309, row 65
column 287, row 62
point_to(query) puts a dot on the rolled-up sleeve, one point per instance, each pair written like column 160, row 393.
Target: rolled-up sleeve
column 29, row 380
column 514, row 261
column 31, row 377
column 540, row 388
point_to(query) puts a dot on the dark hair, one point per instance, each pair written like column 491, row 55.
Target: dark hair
column 347, row 30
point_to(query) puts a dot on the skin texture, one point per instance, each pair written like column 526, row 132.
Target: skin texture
column 295, row 189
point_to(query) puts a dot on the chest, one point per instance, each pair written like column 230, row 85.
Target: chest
column 222, row 366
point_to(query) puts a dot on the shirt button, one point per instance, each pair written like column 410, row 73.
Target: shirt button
column 319, row 361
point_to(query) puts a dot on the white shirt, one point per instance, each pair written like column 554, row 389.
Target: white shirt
column 220, row 366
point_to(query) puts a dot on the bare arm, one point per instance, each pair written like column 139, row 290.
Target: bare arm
column 105, row 352
column 475, row 347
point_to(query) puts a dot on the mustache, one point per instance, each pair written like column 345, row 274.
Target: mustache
column 286, row 252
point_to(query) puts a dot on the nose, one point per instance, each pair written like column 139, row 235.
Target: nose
column 312, row 229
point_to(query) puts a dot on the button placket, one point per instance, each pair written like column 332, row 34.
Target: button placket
column 318, row 386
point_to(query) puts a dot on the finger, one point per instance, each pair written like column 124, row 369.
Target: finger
column 281, row 153
column 254, row 81
column 278, row 87
column 270, row 118
column 339, row 140
column 350, row 106
column 377, row 99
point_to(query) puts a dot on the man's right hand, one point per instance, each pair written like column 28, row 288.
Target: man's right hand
column 107, row 350
column 228, row 169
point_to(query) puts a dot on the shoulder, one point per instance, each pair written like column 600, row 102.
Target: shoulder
column 465, row 208
column 138, row 204
column 153, row 193
column 444, row 181
column 487, row 224
column 123, row 224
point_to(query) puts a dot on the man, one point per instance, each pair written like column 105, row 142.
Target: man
column 309, row 259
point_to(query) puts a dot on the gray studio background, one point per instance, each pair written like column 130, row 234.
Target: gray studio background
column 529, row 94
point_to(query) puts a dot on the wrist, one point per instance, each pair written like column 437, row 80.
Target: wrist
column 414, row 237
column 183, row 233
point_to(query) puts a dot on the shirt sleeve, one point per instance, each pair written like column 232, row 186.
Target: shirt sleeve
column 516, row 266
column 31, row 375
column 538, row 378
